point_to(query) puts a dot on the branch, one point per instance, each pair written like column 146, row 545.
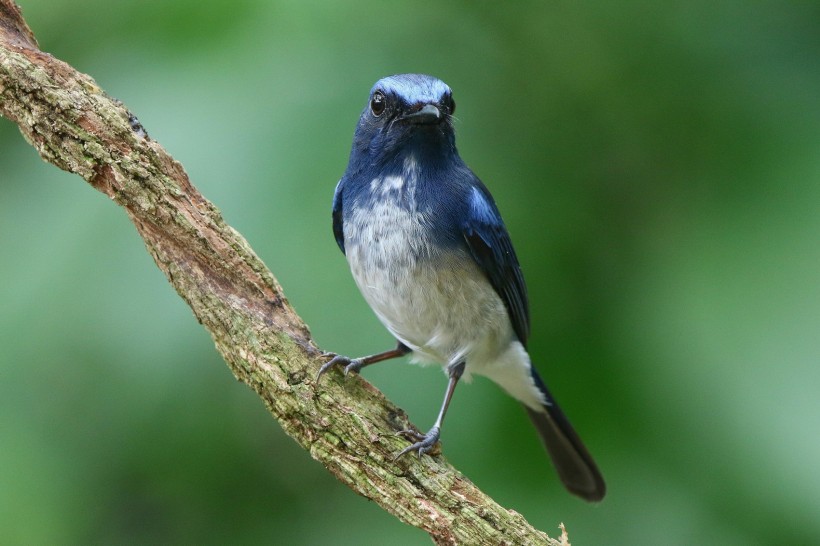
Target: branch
column 347, row 425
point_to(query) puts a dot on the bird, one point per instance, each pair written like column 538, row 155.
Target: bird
column 430, row 254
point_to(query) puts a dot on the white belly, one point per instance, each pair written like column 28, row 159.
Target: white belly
column 440, row 305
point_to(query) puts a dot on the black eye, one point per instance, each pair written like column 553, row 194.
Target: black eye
column 378, row 103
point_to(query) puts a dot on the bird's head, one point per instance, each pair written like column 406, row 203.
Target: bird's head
column 406, row 112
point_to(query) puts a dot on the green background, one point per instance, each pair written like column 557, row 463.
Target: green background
column 657, row 166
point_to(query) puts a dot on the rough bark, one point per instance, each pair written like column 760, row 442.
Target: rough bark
column 347, row 425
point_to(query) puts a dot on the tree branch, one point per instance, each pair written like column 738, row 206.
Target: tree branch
column 346, row 425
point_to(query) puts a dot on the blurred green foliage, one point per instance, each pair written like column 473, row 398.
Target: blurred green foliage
column 657, row 165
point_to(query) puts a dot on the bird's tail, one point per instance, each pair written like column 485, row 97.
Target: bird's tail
column 574, row 464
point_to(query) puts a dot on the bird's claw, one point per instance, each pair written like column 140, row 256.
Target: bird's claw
column 350, row 364
column 424, row 442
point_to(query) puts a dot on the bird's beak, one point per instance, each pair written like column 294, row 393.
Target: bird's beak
column 427, row 115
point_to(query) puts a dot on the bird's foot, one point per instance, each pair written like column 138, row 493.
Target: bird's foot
column 350, row 364
column 424, row 442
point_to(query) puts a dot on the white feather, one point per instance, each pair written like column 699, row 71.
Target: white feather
column 438, row 304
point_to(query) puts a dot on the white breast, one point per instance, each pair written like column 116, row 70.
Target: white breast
column 437, row 303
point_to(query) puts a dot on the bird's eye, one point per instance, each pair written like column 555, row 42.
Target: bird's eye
column 378, row 103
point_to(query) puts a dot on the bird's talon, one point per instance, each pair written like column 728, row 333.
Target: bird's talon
column 410, row 434
column 337, row 360
column 424, row 442
column 354, row 366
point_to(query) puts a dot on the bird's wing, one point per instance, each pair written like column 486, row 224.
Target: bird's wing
column 490, row 246
column 338, row 220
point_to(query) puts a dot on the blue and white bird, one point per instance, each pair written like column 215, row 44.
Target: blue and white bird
column 431, row 255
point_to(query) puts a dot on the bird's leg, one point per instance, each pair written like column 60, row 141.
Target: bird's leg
column 425, row 442
column 356, row 364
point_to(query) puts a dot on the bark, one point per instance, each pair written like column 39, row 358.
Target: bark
column 347, row 425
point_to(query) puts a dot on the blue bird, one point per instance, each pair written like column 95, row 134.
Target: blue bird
column 431, row 256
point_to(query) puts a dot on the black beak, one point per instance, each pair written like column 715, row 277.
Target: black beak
column 426, row 115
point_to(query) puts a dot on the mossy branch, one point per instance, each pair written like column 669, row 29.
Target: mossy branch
column 347, row 425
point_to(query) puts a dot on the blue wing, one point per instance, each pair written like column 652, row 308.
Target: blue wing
column 490, row 246
column 338, row 220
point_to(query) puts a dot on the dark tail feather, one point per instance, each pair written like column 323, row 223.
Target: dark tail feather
column 574, row 464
